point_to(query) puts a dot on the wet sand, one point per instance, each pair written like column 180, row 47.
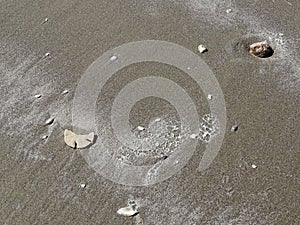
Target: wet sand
column 41, row 179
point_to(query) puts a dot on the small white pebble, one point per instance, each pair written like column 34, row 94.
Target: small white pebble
column 47, row 54
column 65, row 91
column 113, row 58
column 228, row 10
column 234, row 128
column 83, row 185
column 157, row 120
column 49, row 121
column 209, row 97
column 189, row 68
column 38, row 96
column 281, row 34
column 176, row 162
column 46, row 20
column 140, row 128
column 254, row 166
column 194, row 136
column 202, row 49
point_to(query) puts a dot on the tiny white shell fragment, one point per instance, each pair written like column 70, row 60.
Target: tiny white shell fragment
column 78, row 141
column 82, row 185
column 113, row 58
column 38, row 96
column 47, row 54
column 49, row 121
column 254, row 166
column 44, row 137
column 202, row 49
column 140, row 128
column 127, row 211
column 209, row 97
column 65, row 92
column 194, row 136
column 281, row 34
column 234, row 128
column 228, row 10
column 46, row 20
column 157, row 120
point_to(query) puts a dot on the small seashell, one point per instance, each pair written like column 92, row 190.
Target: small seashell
column 82, row 185
column 202, row 49
column 65, row 92
column 261, row 49
column 78, row 141
column 47, row 54
column 113, row 58
column 234, row 128
column 127, row 211
column 49, row 121
column 209, row 97
column 228, row 10
column 38, row 96
column 140, row 128
column 157, row 119
column 46, row 20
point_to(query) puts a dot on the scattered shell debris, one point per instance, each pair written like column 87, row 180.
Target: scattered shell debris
column 49, row 121
column 261, row 49
column 78, row 141
column 202, row 49
column 65, row 92
column 234, row 128
column 38, row 96
column 228, row 10
column 209, row 97
column 127, row 211
column 254, row 166
column 113, row 58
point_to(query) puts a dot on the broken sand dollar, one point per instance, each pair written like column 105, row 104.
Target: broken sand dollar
column 78, row 141
column 261, row 49
column 127, row 211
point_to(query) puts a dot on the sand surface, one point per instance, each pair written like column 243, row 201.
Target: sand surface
column 254, row 178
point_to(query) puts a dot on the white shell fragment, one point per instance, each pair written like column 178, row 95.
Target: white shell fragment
column 65, row 92
column 38, row 96
column 127, row 211
column 82, row 185
column 49, row 121
column 209, row 97
column 113, row 58
column 44, row 137
column 228, row 10
column 234, row 128
column 46, row 20
column 47, row 54
column 202, row 49
column 194, row 136
column 78, row 141
column 140, row 128
column 254, row 166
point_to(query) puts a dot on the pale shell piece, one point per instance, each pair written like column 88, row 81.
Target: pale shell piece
column 113, row 58
column 140, row 128
column 234, row 128
column 47, row 54
column 261, row 49
column 65, row 92
column 254, row 166
column 209, row 97
column 194, row 136
column 228, row 10
column 49, row 121
column 82, row 185
column 38, row 96
column 127, row 211
column 46, row 20
column 44, row 137
column 202, row 49
column 78, row 141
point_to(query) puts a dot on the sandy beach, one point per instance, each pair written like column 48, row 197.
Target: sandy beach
column 47, row 47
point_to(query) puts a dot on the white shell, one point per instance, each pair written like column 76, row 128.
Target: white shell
column 46, row 20
column 38, row 96
column 254, row 166
column 44, row 137
column 78, row 141
column 140, row 128
column 228, row 10
column 49, row 121
column 113, row 58
column 47, row 54
column 127, row 211
column 65, row 91
column 209, row 97
column 83, row 185
column 202, row 48
column 194, row 136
